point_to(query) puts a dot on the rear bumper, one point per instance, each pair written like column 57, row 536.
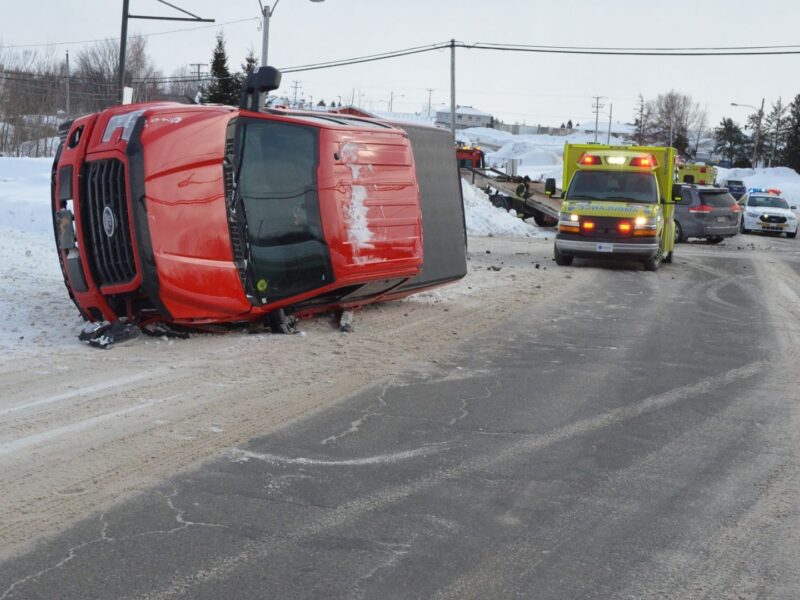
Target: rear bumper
column 590, row 249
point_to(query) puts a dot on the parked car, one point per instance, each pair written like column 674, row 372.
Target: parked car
column 736, row 187
column 705, row 211
column 767, row 211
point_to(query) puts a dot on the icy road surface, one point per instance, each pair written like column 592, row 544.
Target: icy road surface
column 583, row 432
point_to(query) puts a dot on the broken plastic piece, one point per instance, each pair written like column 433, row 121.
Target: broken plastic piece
column 105, row 335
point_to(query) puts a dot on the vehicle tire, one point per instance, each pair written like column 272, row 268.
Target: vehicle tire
column 562, row 260
column 791, row 235
column 540, row 218
column 715, row 239
column 742, row 228
column 668, row 258
column 679, row 233
column 651, row 264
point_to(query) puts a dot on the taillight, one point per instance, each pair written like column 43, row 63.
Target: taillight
column 702, row 208
column 644, row 161
column 589, row 159
column 735, row 208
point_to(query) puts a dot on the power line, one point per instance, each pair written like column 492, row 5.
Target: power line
column 144, row 35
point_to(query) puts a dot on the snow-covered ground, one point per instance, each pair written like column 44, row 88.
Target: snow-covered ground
column 483, row 218
column 35, row 310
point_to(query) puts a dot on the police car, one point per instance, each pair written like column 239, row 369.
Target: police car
column 766, row 210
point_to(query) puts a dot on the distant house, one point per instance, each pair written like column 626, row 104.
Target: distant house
column 466, row 116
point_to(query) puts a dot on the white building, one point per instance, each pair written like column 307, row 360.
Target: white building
column 466, row 116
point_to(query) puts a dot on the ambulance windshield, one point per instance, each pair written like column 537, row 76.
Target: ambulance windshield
column 623, row 186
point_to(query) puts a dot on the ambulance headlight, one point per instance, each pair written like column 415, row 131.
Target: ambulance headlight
column 574, row 218
column 644, row 223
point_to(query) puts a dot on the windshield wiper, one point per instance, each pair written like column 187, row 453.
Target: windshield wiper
column 584, row 198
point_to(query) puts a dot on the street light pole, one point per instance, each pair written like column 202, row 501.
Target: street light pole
column 266, row 15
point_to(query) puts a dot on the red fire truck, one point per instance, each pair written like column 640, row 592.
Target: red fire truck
column 193, row 215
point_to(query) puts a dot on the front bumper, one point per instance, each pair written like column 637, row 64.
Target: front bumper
column 609, row 249
column 756, row 224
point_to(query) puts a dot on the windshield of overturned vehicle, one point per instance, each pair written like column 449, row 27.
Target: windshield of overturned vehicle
column 613, row 185
column 277, row 183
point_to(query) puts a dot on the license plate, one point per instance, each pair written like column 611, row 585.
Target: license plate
column 722, row 219
column 605, row 247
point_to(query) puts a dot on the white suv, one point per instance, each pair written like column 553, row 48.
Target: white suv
column 766, row 211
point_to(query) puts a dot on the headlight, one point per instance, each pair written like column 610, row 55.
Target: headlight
column 644, row 223
column 125, row 122
column 573, row 217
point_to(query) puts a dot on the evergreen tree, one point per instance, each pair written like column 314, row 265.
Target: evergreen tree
column 569, row 124
column 681, row 141
column 753, row 125
column 249, row 65
column 322, row 104
column 730, row 141
column 775, row 130
column 791, row 151
column 223, row 88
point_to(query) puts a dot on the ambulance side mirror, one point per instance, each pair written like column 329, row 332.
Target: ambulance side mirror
column 550, row 186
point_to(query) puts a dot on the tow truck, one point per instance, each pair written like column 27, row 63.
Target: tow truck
column 618, row 204
column 529, row 198
column 204, row 215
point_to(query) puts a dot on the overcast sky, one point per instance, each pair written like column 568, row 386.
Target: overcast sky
column 516, row 87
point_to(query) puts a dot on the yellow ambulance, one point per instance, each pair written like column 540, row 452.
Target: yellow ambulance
column 617, row 204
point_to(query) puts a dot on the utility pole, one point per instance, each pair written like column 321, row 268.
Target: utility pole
column 453, row 88
column 641, row 122
column 67, row 94
column 295, row 87
column 597, row 106
column 758, row 135
column 198, row 66
column 775, row 138
column 430, row 91
column 123, row 38
column 610, row 111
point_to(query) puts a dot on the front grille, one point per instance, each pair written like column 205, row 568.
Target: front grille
column 773, row 219
column 104, row 216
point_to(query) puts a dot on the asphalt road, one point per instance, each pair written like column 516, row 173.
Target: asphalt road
column 640, row 440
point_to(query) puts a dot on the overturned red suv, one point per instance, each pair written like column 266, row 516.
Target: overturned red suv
column 193, row 215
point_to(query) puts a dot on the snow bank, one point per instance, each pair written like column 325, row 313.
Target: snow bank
column 785, row 179
column 25, row 194
column 483, row 218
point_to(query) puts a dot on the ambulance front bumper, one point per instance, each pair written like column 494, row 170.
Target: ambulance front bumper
column 597, row 248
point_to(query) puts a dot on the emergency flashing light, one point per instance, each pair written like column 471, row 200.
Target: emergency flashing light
column 615, row 160
column 624, row 227
column 775, row 191
column 644, row 161
column 588, row 225
column 589, row 159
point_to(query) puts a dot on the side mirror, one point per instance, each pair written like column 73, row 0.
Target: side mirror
column 550, row 186
column 793, row 207
column 260, row 81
